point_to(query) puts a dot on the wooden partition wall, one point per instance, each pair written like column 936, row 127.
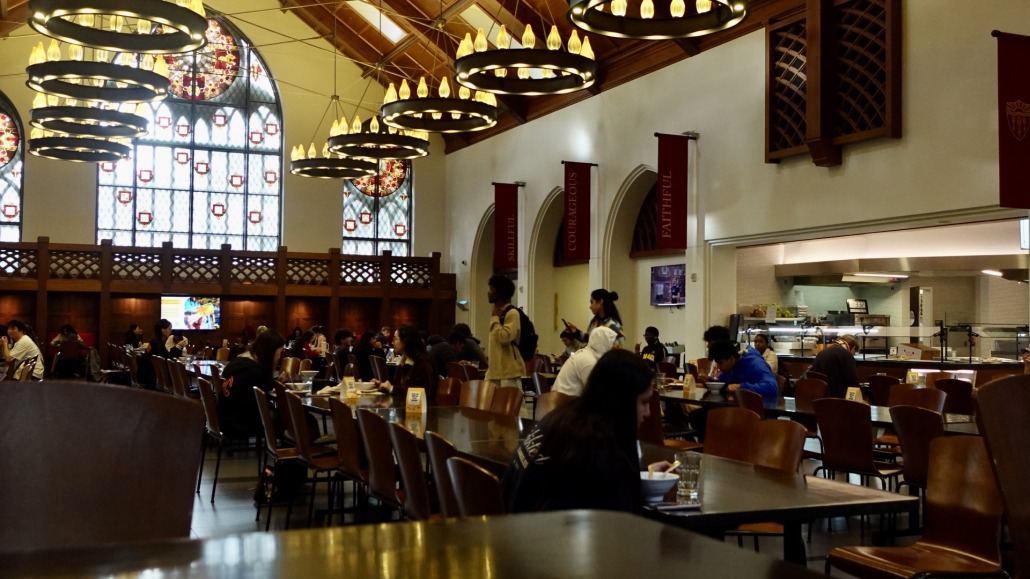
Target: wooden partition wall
column 101, row 290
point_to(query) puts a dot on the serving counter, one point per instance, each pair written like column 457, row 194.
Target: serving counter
column 795, row 366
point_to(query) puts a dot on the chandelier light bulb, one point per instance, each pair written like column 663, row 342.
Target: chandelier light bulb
column 528, row 38
column 75, row 52
column 619, row 8
column 464, row 93
column 647, row 9
column 148, row 62
column 574, row 43
column 480, row 44
column 553, row 39
column 391, row 94
column 335, row 129
column 423, row 88
column 503, row 38
column 160, row 66
column 405, row 92
column 703, row 6
column 39, row 101
column 677, row 8
column 355, row 126
column 53, row 52
column 293, row 154
column 373, row 125
column 586, row 50
column 311, row 151
column 465, row 47
column 325, row 149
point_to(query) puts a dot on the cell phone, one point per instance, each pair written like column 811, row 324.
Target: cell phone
column 567, row 325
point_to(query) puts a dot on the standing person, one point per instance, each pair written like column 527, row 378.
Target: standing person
column 761, row 344
column 134, row 336
column 238, row 412
column 654, row 351
column 837, row 361
column 470, row 352
column 744, row 372
column 602, row 305
column 575, row 372
column 589, row 438
column 319, row 348
column 163, row 344
column 18, row 346
column 414, row 369
column 506, row 364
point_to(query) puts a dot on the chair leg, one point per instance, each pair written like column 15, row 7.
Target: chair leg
column 203, row 454
column 263, row 464
column 218, row 466
column 311, row 502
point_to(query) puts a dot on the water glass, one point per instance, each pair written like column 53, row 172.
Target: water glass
column 660, row 382
column 689, row 484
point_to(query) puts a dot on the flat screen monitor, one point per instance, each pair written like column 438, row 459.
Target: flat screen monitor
column 192, row 312
column 667, row 285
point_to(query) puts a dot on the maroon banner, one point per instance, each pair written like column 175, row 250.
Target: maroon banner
column 576, row 220
column 672, row 191
column 506, row 226
column 1014, row 120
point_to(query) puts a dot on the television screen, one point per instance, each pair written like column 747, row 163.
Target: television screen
column 191, row 312
column 667, row 285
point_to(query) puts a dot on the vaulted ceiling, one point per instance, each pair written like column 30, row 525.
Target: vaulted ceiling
column 433, row 28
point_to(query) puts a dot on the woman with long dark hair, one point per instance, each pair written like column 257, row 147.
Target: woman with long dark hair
column 583, row 455
column 606, row 313
column 163, row 344
column 415, row 369
column 134, row 337
column 237, row 407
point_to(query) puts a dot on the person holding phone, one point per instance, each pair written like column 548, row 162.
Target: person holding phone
column 602, row 305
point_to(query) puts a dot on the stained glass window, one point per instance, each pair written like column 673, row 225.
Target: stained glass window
column 210, row 169
column 377, row 211
column 12, row 156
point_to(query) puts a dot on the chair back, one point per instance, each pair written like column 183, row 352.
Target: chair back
column 222, row 354
column 752, row 401
column 476, row 394
column 1003, row 408
column 963, row 503
column 267, row 422
column 960, row 395
column 668, row 368
column 350, row 370
column 382, row 474
column 379, row 369
column 162, row 378
column 284, row 412
column 81, row 465
column 900, row 390
column 932, row 378
column 132, row 361
column 348, row 441
column 929, row 398
column 27, row 368
column 12, row 371
column 541, row 385
column 690, row 369
column 673, row 359
column 728, row 432
column 548, row 401
column 650, row 430
column 537, row 363
column 291, row 366
column 880, row 387
column 507, row 401
column 438, row 450
column 448, row 391
column 302, row 435
column 806, row 391
column 846, row 428
column 916, row 427
column 179, row 379
column 413, row 477
column 477, row 490
column 210, row 404
column 704, row 366
column 781, row 385
column 777, row 444
column 456, row 370
column 817, row 375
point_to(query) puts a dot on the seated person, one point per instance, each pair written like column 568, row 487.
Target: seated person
column 572, row 377
column 837, row 361
column 744, row 372
column 654, row 351
column 18, row 346
column 590, row 438
column 415, row 367
column 471, row 351
column 237, row 406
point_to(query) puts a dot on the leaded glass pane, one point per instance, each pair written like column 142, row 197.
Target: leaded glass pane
column 377, row 211
column 12, row 154
column 210, row 170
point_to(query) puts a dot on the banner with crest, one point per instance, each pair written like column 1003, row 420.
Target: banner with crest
column 1014, row 120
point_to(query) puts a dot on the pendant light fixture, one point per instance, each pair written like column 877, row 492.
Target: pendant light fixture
column 182, row 23
column 654, row 21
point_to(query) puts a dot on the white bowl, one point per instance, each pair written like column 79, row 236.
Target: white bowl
column 366, row 386
column 653, row 489
column 715, row 386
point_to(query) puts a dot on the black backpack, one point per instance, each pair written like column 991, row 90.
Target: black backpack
column 528, row 339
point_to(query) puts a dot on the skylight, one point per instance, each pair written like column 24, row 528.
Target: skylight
column 477, row 18
column 372, row 14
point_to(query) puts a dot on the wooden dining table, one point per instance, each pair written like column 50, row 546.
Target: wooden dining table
column 733, row 493
column 556, row 544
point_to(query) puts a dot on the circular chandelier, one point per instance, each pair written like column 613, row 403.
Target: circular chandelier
column 72, row 21
column 328, row 166
column 92, row 81
column 438, row 115
column 610, row 18
column 373, row 140
column 89, row 122
column 525, row 71
column 79, row 149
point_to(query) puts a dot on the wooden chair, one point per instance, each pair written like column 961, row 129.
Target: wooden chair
column 1003, row 406
column 273, row 451
column 291, row 366
column 963, row 521
column 212, row 431
column 476, row 394
column 916, row 428
column 438, row 450
column 541, row 385
column 817, row 376
column 222, row 354
column 417, row 506
column 880, row 387
column 960, row 395
column 690, row 369
column 477, row 490
column 27, row 368
column 668, row 368
column 781, row 385
column 317, row 458
column 380, row 371
column 448, row 391
column 728, row 432
column 844, row 449
column 70, row 356
column 162, row 377
column 112, row 465
column 928, row 398
column 933, row 377
column 382, row 473
column 752, row 401
column 547, row 402
column 537, row 363
column 11, row 374
column 506, row 401
column 806, row 391
column 456, row 370
column 652, row 431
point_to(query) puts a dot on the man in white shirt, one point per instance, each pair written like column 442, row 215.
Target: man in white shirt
column 18, row 346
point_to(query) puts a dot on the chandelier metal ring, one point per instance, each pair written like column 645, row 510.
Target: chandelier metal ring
column 586, row 14
column 417, row 115
column 476, row 71
column 90, row 122
column 79, row 149
column 65, row 78
column 184, row 29
column 379, row 146
column 330, row 168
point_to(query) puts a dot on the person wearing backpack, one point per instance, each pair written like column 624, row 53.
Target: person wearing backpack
column 606, row 314
column 506, row 363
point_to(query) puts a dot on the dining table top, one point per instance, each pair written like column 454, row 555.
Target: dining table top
column 554, row 544
column 788, row 406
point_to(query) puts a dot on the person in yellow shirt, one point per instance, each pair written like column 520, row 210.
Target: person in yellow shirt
column 506, row 364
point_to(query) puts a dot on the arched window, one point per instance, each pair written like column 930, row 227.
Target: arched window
column 377, row 211
column 12, row 179
column 210, row 169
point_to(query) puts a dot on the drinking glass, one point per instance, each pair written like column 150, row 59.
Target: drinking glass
column 689, row 484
